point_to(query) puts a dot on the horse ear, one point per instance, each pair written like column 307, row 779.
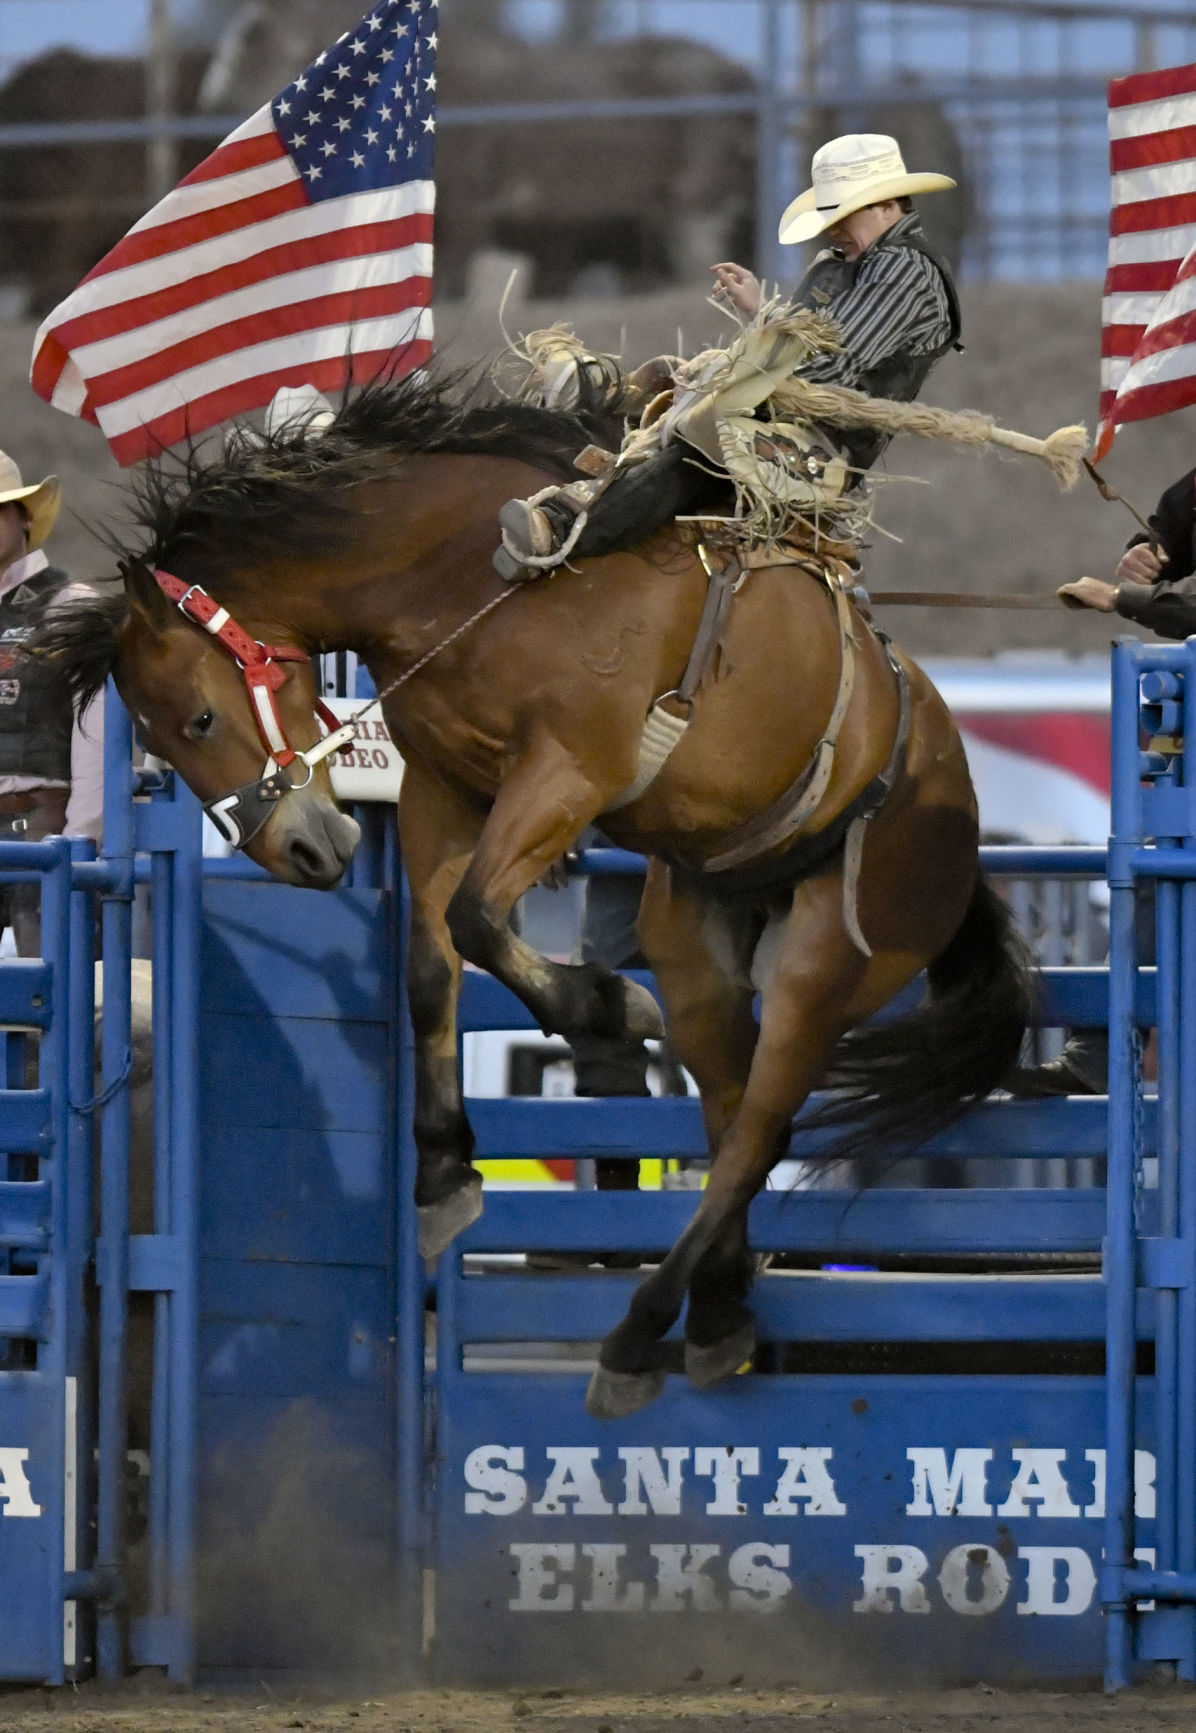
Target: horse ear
column 145, row 597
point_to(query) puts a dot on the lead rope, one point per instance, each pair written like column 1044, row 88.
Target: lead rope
column 1111, row 497
column 430, row 655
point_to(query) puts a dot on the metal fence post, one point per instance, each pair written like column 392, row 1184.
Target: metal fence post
column 1119, row 1253
column 409, row 1294
column 185, row 918
column 112, row 1258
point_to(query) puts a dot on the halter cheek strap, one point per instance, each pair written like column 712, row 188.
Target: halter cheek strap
column 263, row 676
column 240, row 815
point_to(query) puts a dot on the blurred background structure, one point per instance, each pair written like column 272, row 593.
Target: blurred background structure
column 618, row 143
column 613, row 149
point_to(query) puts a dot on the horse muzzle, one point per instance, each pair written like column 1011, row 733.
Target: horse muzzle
column 316, row 847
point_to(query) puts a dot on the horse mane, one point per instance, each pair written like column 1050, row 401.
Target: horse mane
column 79, row 638
column 285, row 490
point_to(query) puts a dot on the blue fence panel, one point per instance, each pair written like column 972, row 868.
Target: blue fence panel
column 45, row 1233
column 919, row 1441
column 792, row 1529
column 872, row 1466
column 1150, row 1262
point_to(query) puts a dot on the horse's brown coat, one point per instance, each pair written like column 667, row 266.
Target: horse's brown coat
column 515, row 738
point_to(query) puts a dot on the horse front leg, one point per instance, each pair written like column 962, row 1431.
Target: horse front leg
column 439, row 831
column 540, row 811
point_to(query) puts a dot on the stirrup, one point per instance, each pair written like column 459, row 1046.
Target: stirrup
column 520, row 522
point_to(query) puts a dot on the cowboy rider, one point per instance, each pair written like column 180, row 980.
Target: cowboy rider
column 891, row 295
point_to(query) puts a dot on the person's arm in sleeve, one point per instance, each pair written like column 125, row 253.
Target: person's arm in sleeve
column 1168, row 609
column 1173, row 521
column 898, row 301
column 85, row 805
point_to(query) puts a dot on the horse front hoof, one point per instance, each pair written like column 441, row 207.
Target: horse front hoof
column 707, row 1366
column 644, row 1020
column 440, row 1223
column 612, row 1395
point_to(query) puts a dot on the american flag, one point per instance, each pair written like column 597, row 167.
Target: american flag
column 1148, row 347
column 299, row 252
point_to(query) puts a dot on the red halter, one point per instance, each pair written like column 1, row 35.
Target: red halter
column 240, row 815
column 260, row 665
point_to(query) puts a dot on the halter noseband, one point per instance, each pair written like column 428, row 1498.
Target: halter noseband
column 240, row 815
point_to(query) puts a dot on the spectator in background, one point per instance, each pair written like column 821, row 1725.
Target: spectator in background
column 51, row 762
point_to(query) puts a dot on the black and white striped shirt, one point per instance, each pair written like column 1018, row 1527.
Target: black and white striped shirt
column 898, row 303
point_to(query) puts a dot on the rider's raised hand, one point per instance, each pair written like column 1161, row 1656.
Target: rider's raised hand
column 1140, row 564
column 737, row 287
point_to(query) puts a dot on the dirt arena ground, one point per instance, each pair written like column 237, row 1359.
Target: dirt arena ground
column 154, row 1708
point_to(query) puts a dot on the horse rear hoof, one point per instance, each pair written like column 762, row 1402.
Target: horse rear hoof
column 707, row 1366
column 440, row 1223
column 612, row 1395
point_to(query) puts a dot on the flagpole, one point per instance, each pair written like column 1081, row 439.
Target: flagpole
column 162, row 155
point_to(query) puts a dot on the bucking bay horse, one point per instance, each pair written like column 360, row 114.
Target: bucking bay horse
column 519, row 711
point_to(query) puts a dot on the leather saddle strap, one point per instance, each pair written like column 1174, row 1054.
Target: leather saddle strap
column 720, row 590
column 801, row 800
column 663, row 730
column 853, row 846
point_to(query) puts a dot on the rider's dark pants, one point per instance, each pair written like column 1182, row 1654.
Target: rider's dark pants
column 647, row 496
column 605, row 1065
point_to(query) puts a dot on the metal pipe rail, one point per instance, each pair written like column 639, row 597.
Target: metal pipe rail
column 1152, row 1266
column 1002, row 860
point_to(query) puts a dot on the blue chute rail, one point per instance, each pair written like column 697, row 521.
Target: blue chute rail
column 1148, row 1582
column 1053, row 1236
column 46, row 1020
column 929, row 1323
column 930, row 1382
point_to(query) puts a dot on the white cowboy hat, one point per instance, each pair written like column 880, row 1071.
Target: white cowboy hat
column 41, row 502
column 861, row 168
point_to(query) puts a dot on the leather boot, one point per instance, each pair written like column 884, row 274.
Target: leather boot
column 530, row 532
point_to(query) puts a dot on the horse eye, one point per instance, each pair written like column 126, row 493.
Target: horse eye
column 201, row 726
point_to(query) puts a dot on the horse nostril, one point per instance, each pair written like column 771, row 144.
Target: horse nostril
column 306, row 859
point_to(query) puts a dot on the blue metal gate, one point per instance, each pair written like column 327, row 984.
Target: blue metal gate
column 918, row 1472
column 915, row 1475
column 1149, row 1579
column 44, row 1238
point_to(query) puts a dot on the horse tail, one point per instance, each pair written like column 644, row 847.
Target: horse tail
column 897, row 1083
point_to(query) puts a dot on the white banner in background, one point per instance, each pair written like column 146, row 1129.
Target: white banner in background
column 371, row 769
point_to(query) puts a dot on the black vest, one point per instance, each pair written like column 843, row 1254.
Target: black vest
column 35, row 702
column 899, row 376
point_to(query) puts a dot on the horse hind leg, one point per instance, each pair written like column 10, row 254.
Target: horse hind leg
column 720, row 1328
column 816, row 986
column 700, row 952
column 817, row 974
